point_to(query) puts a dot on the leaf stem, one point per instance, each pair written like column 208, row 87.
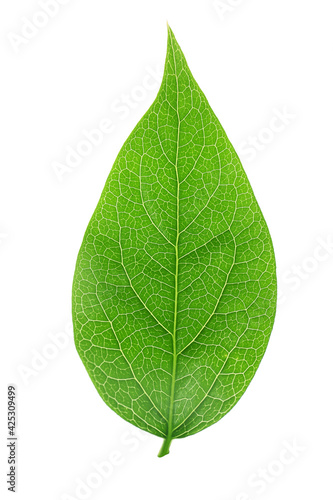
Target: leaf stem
column 165, row 447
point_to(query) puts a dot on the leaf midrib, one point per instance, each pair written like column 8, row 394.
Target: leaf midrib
column 174, row 339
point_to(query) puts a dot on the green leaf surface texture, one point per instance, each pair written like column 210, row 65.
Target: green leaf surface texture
column 174, row 292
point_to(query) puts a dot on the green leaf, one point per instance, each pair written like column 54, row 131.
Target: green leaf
column 174, row 292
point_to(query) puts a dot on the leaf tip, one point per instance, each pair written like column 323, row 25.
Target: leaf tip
column 170, row 32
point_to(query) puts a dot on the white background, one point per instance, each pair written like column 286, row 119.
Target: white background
column 254, row 59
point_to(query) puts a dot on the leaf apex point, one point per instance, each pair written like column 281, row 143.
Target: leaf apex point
column 170, row 32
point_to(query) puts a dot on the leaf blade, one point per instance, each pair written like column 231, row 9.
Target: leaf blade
column 176, row 268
